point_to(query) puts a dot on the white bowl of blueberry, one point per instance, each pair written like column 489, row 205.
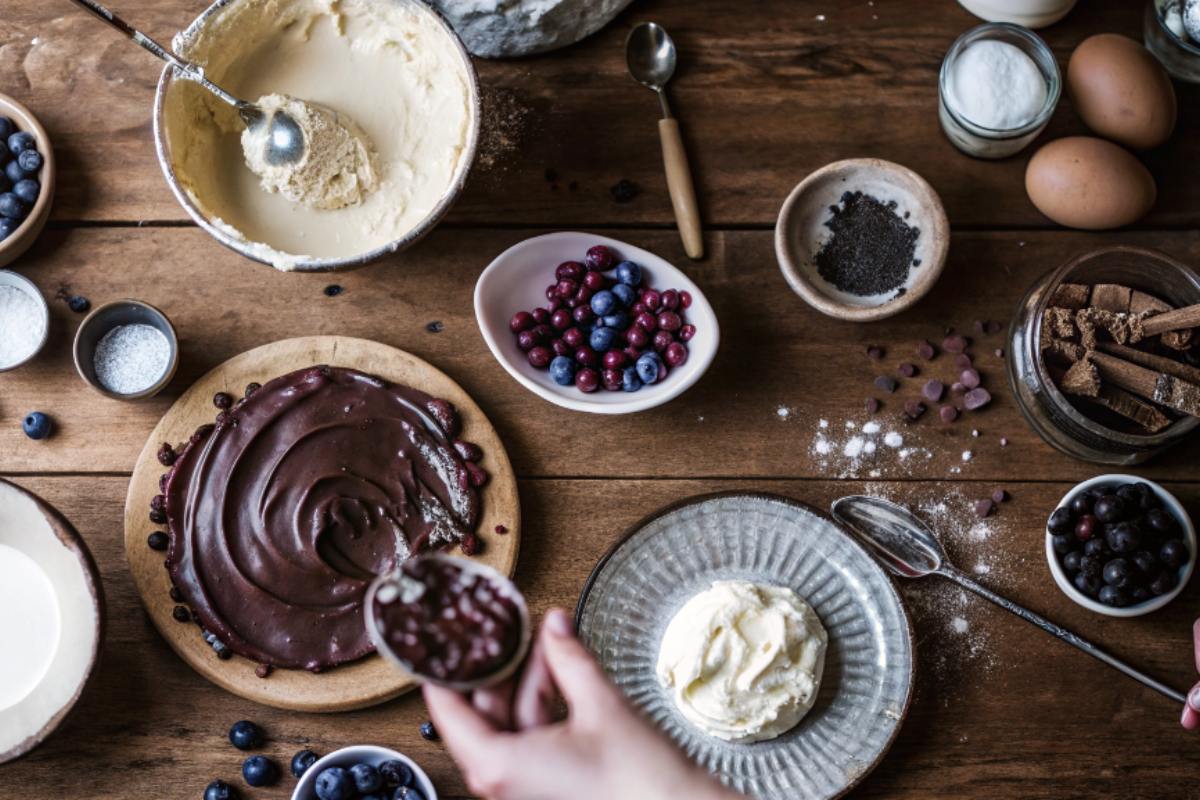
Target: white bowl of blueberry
column 364, row 772
column 1120, row 545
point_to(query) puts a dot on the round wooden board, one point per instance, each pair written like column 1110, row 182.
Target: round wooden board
column 362, row 683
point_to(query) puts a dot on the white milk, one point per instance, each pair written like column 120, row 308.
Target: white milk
column 30, row 625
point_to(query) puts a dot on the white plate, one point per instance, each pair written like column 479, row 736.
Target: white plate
column 517, row 281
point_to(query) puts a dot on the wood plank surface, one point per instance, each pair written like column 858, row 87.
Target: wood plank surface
column 764, row 98
column 1000, row 710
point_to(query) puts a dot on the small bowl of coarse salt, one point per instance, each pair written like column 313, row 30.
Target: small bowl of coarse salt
column 126, row 350
column 24, row 320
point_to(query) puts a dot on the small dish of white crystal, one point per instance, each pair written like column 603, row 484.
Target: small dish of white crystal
column 126, row 350
column 24, row 320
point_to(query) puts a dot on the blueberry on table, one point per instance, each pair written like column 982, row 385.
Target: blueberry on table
column 220, row 790
column 396, row 773
column 37, row 425
column 245, row 735
column 30, row 161
column 260, row 771
column 12, row 206
column 366, row 778
column 429, row 732
column 334, row 783
column 302, row 761
column 629, row 273
column 21, row 141
column 27, row 190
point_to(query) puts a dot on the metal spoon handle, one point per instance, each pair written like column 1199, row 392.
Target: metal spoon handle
column 189, row 70
column 1062, row 633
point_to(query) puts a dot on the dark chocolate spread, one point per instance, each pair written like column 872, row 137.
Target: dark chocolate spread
column 283, row 512
column 447, row 623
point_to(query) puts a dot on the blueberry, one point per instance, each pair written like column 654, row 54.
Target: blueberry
column 396, row 773
column 1062, row 543
column 244, row 735
column 602, row 339
column 21, row 141
column 630, row 381
column 12, row 206
column 78, row 303
column 6, row 128
column 1146, row 563
column 629, row 274
column 625, row 293
column 366, row 778
column 648, row 367
column 1061, row 521
column 1140, row 594
column 1091, row 566
column 220, row 790
column 1082, row 504
column 14, row 173
column 158, row 541
column 30, row 161
column 428, row 731
column 1162, row 584
column 334, row 783
column 618, row 321
column 37, row 425
column 1117, row 573
column 8, row 227
column 302, row 761
column 1087, row 584
column 1096, row 547
column 562, row 370
column 1161, row 521
column 260, row 771
column 1070, row 562
column 603, row 302
column 27, row 190
column 1109, row 508
column 408, row 793
column 1173, row 554
column 1122, row 537
column 1112, row 596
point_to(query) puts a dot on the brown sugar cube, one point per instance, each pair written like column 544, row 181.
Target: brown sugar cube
column 1082, row 379
column 1071, row 295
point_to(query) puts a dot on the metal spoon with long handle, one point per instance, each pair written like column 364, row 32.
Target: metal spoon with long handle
column 650, row 54
column 284, row 142
column 908, row 549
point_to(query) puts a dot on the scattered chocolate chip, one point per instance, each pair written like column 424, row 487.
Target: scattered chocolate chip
column 435, row 327
column 872, row 405
column 573, row 186
column 926, row 351
column 957, row 388
column 166, row 455
column 970, row 378
column 885, row 383
column 175, row 594
column 907, row 370
column 78, row 303
column 181, row 614
column 264, row 670
column 999, row 352
column 913, row 409
column 992, row 327
column 984, row 508
column 251, row 388
column 955, row 343
column 222, row 400
column 933, row 390
column 623, row 190
column 428, row 732
column 874, row 352
column 500, row 529
column 999, row 496
column 158, row 541
column 158, row 517
column 333, row 290
column 551, row 174
column 468, row 451
column 158, row 502
column 471, row 545
column 963, row 361
column 1003, row 442
column 976, row 399
column 979, row 326
column 948, row 413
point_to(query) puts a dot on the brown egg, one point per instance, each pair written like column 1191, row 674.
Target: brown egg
column 1089, row 183
column 1121, row 91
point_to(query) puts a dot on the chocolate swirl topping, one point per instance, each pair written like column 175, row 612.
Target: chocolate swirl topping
column 282, row 513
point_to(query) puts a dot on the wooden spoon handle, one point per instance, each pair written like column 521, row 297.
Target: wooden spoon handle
column 683, row 192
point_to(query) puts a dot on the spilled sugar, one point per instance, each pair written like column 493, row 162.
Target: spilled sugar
column 850, row 449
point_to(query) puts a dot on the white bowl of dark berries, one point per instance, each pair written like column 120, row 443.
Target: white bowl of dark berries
column 26, row 179
column 593, row 324
column 1120, row 545
column 364, row 771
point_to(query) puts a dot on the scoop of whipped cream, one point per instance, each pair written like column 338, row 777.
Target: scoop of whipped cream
column 743, row 661
column 338, row 167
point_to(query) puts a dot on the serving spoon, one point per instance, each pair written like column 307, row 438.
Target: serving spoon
column 650, row 55
column 284, row 143
column 907, row 548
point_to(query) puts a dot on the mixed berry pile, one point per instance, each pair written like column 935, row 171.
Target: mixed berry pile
column 604, row 326
column 19, row 186
column 1119, row 544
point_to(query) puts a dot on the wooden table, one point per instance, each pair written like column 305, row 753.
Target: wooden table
column 767, row 91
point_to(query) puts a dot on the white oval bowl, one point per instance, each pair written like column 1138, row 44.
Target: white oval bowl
column 348, row 757
column 516, row 280
column 1185, row 572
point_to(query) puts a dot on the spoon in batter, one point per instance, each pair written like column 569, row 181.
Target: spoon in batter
column 908, row 549
column 284, row 143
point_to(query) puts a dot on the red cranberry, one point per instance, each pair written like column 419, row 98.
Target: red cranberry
column 637, row 337
column 686, row 333
column 540, row 357
column 573, row 337
column 587, row 380
column 476, row 474
column 669, row 321
column 544, row 332
column 569, row 271
column 566, row 288
column 572, row 302
column 614, row 359
column 551, row 291
column 685, row 299
column 651, row 299
column 560, row 348
column 600, row 257
column 561, row 319
column 662, row 340
column 585, row 356
column 646, row 321
column 594, row 281
column 670, row 299
column 553, row 304
column 676, row 354
column 540, row 315
column 583, row 314
column 583, row 296
column 527, row 340
column 639, row 307
column 521, row 321
column 612, row 380
column 632, row 353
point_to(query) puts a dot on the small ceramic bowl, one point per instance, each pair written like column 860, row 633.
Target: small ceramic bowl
column 801, row 232
column 469, row 567
column 52, row 643
column 348, row 757
column 23, row 237
column 109, row 316
column 517, row 280
column 1173, row 506
column 9, row 278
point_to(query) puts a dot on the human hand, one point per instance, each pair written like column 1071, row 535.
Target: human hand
column 1191, row 709
column 508, row 744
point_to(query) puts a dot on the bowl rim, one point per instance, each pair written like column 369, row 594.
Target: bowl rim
column 1153, row 604
column 172, row 341
column 938, row 227
column 303, row 264
column 647, row 397
column 46, row 178
column 33, row 290
column 374, row 753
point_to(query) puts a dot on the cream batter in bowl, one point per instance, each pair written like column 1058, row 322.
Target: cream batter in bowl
column 393, row 67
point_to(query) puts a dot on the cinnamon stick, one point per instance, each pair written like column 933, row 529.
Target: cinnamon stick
column 1127, row 405
column 1180, row 318
column 1159, row 387
column 1151, row 361
column 1124, row 300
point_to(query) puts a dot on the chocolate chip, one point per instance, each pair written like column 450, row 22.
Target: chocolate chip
column 908, row 370
column 984, row 508
column 885, row 383
column 970, row 378
column 874, row 352
column 435, row 327
column 926, row 351
column 963, row 361
column 872, row 405
column 1003, row 442
column 500, row 529
column 948, row 413
column 166, row 455
column 999, row 496
column 955, row 343
column 158, row 541
column 976, row 399
column 263, row 670
column 471, row 545
column 979, row 326
column 222, row 400
column 623, row 191
column 333, row 290
column 999, row 352
column 551, row 174
column 181, row 614
column 993, row 327
column 933, row 390
column 913, row 409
